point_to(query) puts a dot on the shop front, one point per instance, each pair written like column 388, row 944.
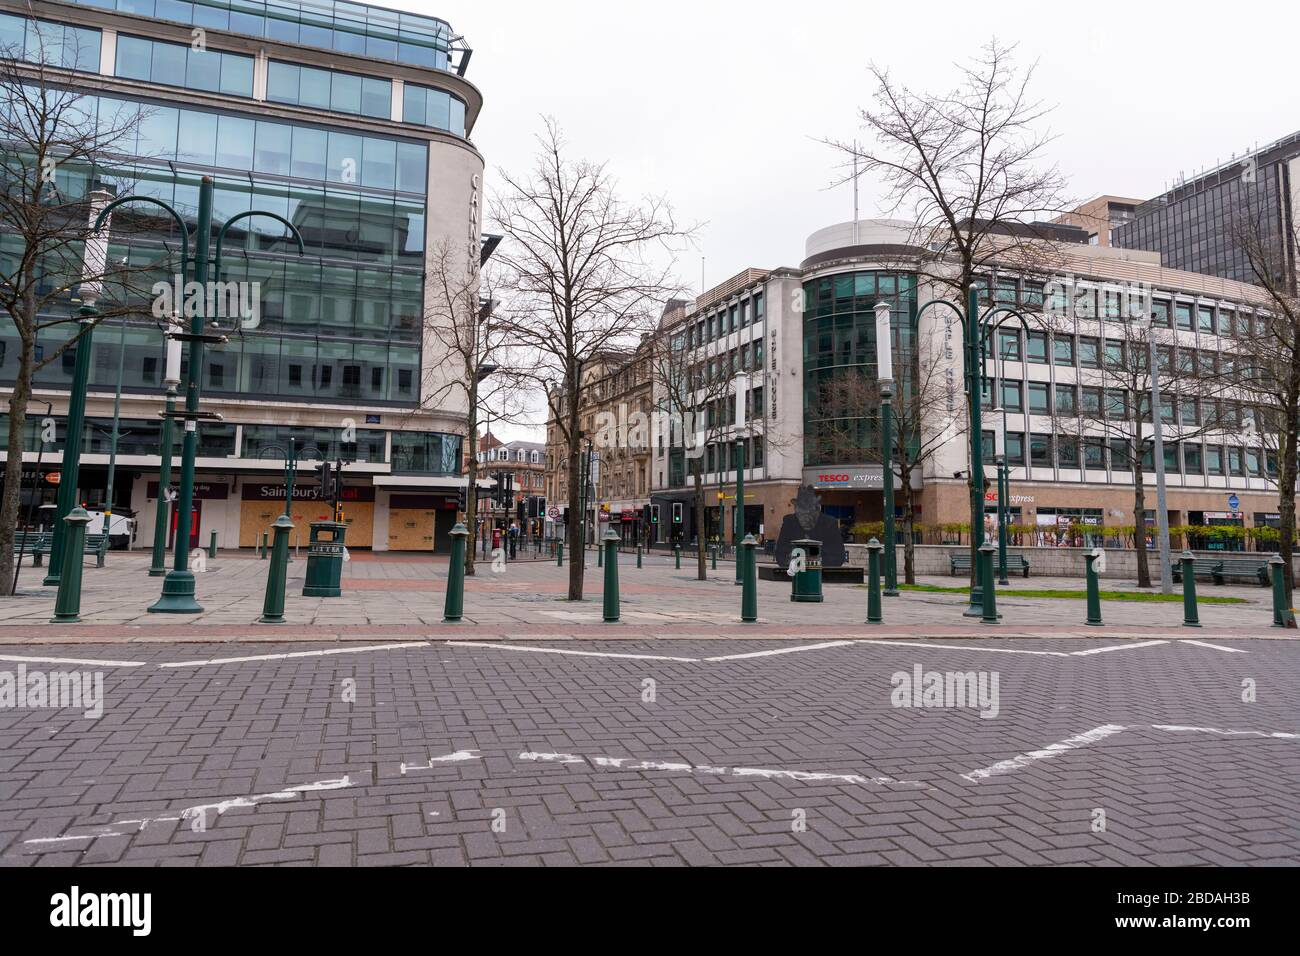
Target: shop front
column 262, row 502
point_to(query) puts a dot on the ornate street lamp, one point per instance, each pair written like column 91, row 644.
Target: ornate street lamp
column 885, row 375
column 172, row 379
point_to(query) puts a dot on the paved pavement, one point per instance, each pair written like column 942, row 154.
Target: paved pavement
column 667, row 753
column 402, row 597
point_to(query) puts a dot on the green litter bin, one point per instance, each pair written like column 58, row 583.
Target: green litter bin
column 806, row 588
column 325, row 560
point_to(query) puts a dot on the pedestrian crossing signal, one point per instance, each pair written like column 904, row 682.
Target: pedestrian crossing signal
column 677, row 512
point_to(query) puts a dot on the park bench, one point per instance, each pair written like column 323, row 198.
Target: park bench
column 39, row 543
column 1243, row 568
column 1201, row 568
column 958, row 563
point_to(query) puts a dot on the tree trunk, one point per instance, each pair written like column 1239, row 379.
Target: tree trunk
column 909, row 549
column 13, row 474
column 471, row 483
column 577, row 514
column 701, row 543
column 1140, row 521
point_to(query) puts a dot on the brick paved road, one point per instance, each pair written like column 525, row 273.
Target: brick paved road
column 514, row 756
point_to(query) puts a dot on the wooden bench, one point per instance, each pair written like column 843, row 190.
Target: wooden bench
column 1201, row 568
column 1243, row 568
column 39, row 543
column 958, row 563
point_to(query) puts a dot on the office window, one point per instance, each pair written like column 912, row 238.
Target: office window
column 1183, row 316
column 1094, row 454
column 176, row 64
column 1120, row 458
column 1117, row 404
column 1192, row 458
column 1015, row 448
column 1040, row 450
column 1213, row 459
column 1067, row 401
column 1063, row 349
column 1089, row 355
column 1205, row 319
column 1037, row 347
column 1039, row 398
column 1067, row 451
column 1091, row 401
column 1012, row 400
column 331, row 90
column 1114, row 353
column 1009, row 346
column 1160, row 313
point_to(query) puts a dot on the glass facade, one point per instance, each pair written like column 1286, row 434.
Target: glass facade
column 436, row 108
column 178, row 64
column 356, row 28
column 329, row 90
column 55, row 44
column 342, row 322
column 841, row 407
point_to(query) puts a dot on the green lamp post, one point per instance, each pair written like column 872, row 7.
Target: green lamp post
column 171, row 378
column 94, row 262
column 739, row 511
column 885, row 375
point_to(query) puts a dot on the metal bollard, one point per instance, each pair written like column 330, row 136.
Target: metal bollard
column 677, row 553
column 874, row 549
column 559, row 555
column 600, row 553
column 638, row 556
column 713, row 554
column 212, row 546
column 67, row 603
column 265, row 542
column 454, row 605
column 1094, row 588
column 989, row 597
column 748, row 580
column 1190, row 616
column 610, row 546
column 1283, row 616
column 273, row 604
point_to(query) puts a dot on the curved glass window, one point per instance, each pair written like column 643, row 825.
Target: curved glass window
column 54, row 44
column 436, row 108
column 841, row 397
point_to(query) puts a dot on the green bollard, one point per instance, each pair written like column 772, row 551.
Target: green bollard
column 559, row 555
column 713, row 554
column 454, row 607
column 600, row 553
column 748, row 580
column 677, row 553
column 1190, row 616
column 1094, row 588
column 610, row 546
column 638, row 557
column 273, row 605
column 989, row 597
column 265, row 537
column 1283, row 616
column 874, row 549
column 67, row 604
column 212, row 546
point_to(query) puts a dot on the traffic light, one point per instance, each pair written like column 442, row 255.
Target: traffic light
column 677, row 512
column 462, row 499
column 325, row 475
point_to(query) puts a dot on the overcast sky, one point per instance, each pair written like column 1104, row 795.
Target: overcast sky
column 719, row 106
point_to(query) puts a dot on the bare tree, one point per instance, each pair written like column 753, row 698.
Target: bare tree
column 578, row 280
column 968, row 168
column 475, row 369
column 1109, row 410
column 1269, row 349
column 52, row 140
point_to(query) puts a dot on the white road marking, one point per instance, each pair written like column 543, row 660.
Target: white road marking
column 556, row 650
column 1116, row 647
column 801, row 776
column 1052, row 750
column 460, row 756
column 550, row 758
column 781, row 650
column 295, row 654
column 1215, row 647
column 965, row 647
column 1174, row 728
column 200, row 811
column 70, row 660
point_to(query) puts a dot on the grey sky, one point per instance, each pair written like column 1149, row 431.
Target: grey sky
column 719, row 105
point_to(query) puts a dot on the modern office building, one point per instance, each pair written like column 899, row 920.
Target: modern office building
column 354, row 123
column 1100, row 217
column 1192, row 225
column 792, row 347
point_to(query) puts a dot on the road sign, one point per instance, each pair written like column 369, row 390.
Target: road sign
column 1234, row 502
column 554, row 512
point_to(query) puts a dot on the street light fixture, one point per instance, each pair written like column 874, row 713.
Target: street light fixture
column 885, row 375
column 172, row 379
column 94, row 261
column 1000, row 459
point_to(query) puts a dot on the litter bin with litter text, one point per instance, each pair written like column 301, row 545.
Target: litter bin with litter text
column 325, row 560
column 806, row 588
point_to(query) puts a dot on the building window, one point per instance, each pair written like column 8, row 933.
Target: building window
column 1063, row 349
column 1088, row 353
column 176, row 64
column 54, row 44
column 438, row 109
column 1039, row 398
column 1038, row 347
column 1067, row 400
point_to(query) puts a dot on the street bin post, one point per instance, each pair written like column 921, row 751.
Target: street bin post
column 273, row 605
column 1094, row 587
column 454, row 605
column 67, row 603
column 749, row 580
column 988, row 599
column 1190, row 616
column 1283, row 616
column 610, row 608
column 874, row 549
